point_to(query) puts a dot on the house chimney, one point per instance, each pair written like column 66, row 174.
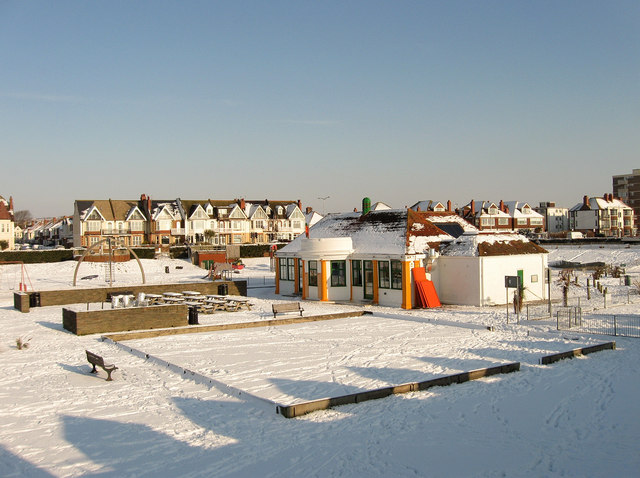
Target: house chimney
column 11, row 204
column 143, row 197
column 501, row 205
column 243, row 204
column 149, row 205
column 449, row 205
column 473, row 207
column 309, row 210
column 585, row 201
column 418, row 209
column 299, row 204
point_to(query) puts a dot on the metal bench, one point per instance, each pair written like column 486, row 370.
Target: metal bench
column 98, row 361
column 286, row 307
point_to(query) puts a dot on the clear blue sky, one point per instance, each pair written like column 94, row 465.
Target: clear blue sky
column 395, row 100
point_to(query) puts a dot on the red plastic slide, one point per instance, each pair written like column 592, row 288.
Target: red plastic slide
column 427, row 297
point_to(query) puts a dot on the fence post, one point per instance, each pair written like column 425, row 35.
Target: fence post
column 557, row 320
column 615, row 326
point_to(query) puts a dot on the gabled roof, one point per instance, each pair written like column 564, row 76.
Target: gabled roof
column 109, row 209
column 600, row 204
column 255, row 211
column 312, row 218
column 427, row 205
column 393, row 231
column 157, row 207
column 515, row 209
column 5, row 215
column 380, row 206
column 482, row 209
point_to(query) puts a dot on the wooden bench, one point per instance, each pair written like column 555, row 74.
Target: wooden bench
column 286, row 307
column 98, row 361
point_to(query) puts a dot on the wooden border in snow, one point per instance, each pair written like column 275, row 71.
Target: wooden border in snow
column 145, row 334
column 549, row 359
column 291, row 411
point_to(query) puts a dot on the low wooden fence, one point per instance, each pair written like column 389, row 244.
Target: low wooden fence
column 548, row 359
column 298, row 409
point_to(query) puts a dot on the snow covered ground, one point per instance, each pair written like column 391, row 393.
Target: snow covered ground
column 574, row 418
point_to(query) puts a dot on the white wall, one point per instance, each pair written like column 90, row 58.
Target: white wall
column 479, row 281
column 457, row 279
column 287, row 287
column 495, row 268
column 390, row 297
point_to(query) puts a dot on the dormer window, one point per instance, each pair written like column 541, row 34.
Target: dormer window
column 493, row 210
column 279, row 209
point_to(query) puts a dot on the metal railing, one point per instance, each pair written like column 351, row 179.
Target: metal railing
column 261, row 282
column 568, row 317
column 538, row 312
column 625, row 325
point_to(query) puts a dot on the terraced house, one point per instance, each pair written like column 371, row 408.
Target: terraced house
column 176, row 221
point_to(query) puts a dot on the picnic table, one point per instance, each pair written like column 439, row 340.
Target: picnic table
column 174, row 300
column 242, row 303
column 154, row 299
column 217, row 304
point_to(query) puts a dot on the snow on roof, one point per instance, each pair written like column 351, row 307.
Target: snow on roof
column 601, row 203
column 427, row 205
column 380, row 206
column 475, row 245
column 170, row 206
column 393, row 231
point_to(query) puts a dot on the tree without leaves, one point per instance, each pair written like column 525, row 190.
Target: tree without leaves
column 21, row 218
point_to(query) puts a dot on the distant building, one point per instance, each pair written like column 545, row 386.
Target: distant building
column 7, row 224
column 556, row 218
column 163, row 223
column 626, row 187
column 603, row 216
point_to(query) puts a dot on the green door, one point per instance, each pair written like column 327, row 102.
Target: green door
column 521, row 277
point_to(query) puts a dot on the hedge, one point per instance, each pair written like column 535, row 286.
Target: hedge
column 256, row 250
column 179, row 252
column 33, row 257
column 144, row 252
